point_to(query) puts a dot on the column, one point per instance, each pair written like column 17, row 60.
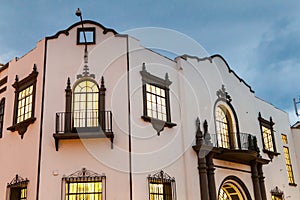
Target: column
column 204, row 192
column 211, row 176
column 255, row 181
column 261, row 181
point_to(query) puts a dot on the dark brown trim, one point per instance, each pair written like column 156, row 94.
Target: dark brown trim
column 231, row 71
column 2, row 103
column 230, row 168
column 66, row 31
column 3, row 89
column 41, row 122
column 240, row 183
column 31, row 79
column 4, row 67
column 267, row 124
column 86, row 29
column 3, row 81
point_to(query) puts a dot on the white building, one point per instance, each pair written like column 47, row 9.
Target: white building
column 124, row 122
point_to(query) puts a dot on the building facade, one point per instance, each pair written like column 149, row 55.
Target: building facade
column 91, row 114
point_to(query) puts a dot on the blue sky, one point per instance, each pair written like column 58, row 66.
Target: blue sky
column 259, row 39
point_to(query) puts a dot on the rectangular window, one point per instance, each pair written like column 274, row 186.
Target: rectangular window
column 289, row 165
column 268, row 138
column 18, row 193
column 87, row 34
column 84, row 190
column 160, row 191
column 284, row 138
column 274, row 197
column 25, row 104
column 156, row 102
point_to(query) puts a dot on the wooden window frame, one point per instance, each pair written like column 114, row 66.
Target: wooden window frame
column 269, row 125
column 19, row 86
column 148, row 78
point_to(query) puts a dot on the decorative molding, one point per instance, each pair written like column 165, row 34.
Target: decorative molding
column 277, row 192
column 221, row 93
column 151, row 79
column 84, row 175
column 31, row 79
column 161, row 177
column 18, row 181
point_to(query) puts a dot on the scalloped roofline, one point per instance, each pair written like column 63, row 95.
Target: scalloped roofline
column 66, row 31
column 210, row 58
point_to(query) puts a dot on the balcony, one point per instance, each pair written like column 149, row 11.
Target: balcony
column 81, row 125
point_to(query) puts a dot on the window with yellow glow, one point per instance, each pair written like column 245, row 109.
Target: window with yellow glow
column 156, row 102
column 230, row 191
column 268, row 139
column 24, row 109
column 275, row 197
column 18, row 193
column 86, row 104
column 288, row 165
column 84, row 190
column 222, row 126
column 160, row 191
column 284, row 138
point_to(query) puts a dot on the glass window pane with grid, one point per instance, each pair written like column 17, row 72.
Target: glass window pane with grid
column 85, row 106
column 222, row 128
column 84, row 190
column 156, row 102
column 288, row 165
column 267, row 137
column 24, row 110
column 160, row 191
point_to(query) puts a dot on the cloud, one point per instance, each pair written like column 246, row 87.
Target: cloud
column 277, row 64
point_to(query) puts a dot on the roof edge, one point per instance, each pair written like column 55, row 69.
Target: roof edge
column 66, row 31
column 231, row 71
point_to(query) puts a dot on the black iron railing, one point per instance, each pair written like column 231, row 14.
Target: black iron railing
column 236, row 141
column 67, row 122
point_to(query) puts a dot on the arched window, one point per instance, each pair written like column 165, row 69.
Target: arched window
column 86, row 104
column 222, row 127
column 233, row 188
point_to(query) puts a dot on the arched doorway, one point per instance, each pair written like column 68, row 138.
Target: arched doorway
column 233, row 188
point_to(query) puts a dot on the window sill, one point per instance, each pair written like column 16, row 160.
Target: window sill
column 293, row 184
column 22, row 126
column 167, row 124
column 158, row 124
column 271, row 154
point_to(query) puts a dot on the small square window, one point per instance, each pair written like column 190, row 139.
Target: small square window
column 284, row 138
column 87, row 34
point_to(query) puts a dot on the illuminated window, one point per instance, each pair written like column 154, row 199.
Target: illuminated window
column 289, row 165
column 156, row 102
column 161, row 187
column 24, row 105
column 277, row 194
column 90, row 35
column 17, row 188
column 267, row 134
column 230, row 191
column 84, row 185
column 2, row 106
column 284, row 138
column 85, row 104
column 222, row 126
column 84, row 190
column 268, row 138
